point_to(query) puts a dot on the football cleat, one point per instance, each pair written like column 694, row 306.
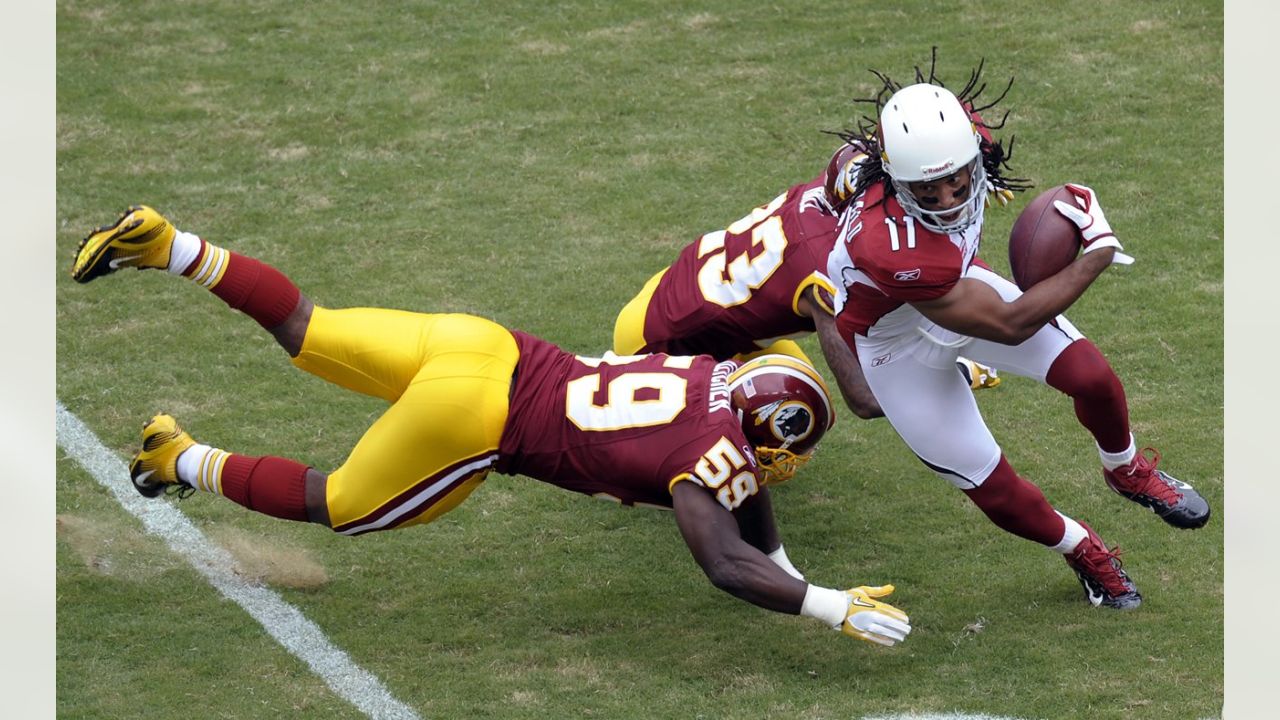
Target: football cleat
column 1176, row 502
column 155, row 468
column 1100, row 571
column 978, row 376
column 141, row 238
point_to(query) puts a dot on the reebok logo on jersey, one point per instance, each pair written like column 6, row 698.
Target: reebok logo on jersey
column 877, row 362
column 907, row 275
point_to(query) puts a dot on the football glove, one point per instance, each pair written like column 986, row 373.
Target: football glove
column 871, row 620
column 979, row 376
column 999, row 196
column 1094, row 228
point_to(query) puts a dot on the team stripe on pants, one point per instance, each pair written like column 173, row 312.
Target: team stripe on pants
column 420, row 498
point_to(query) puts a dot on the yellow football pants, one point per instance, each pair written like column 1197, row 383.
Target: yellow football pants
column 447, row 378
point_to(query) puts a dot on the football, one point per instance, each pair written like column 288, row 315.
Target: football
column 1042, row 241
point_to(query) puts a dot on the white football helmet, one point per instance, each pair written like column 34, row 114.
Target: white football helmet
column 926, row 134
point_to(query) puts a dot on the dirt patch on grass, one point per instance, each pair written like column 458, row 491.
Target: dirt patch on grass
column 268, row 560
column 112, row 548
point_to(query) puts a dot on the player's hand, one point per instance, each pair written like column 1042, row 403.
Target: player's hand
column 980, row 376
column 871, row 620
column 1094, row 228
column 1000, row 196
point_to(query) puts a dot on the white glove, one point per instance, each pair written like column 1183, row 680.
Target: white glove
column 1094, row 228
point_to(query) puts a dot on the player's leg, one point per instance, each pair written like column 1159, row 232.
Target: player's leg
column 368, row 350
column 142, row 238
column 439, row 439
column 431, row 448
column 1060, row 356
column 628, row 329
column 172, row 461
column 935, row 413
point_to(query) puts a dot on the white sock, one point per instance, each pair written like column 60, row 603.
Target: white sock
column 1072, row 536
column 200, row 466
column 186, row 247
column 1111, row 461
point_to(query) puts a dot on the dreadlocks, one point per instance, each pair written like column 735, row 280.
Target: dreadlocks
column 995, row 155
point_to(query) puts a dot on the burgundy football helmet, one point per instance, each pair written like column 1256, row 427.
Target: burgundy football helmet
column 842, row 174
column 785, row 409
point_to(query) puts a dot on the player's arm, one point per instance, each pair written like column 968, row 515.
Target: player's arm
column 840, row 357
column 760, row 531
column 730, row 562
column 735, row 566
column 974, row 308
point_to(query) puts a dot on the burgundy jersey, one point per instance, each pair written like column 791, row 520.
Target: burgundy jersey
column 884, row 258
column 736, row 290
column 625, row 427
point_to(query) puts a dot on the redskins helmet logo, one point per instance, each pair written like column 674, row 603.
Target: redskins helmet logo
column 791, row 422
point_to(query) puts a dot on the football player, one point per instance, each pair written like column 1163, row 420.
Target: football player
column 469, row 397
column 912, row 294
column 755, row 286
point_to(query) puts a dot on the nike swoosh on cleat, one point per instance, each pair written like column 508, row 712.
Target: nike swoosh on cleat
column 144, row 476
column 115, row 263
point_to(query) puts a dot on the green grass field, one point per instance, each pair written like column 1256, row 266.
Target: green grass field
column 535, row 163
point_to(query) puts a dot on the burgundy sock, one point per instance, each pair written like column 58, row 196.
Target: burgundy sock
column 1083, row 373
column 253, row 287
column 1017, row 506
column 270, row 485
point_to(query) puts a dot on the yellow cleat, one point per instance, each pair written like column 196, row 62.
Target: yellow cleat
column 141, row 238
column 155, row 467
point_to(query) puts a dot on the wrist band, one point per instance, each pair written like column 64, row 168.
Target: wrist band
column 825, row 604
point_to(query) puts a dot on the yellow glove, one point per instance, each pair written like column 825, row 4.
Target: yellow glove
column 1001, row 196
column 980, row 376
column 871, row 620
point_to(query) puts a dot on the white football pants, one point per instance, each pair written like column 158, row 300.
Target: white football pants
column 931, row 406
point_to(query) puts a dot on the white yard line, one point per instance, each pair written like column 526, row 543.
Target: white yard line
column 281, row 620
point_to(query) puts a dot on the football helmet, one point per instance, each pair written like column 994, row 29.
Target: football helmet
column 926, row 134
column 841, row 177
column 785, row 409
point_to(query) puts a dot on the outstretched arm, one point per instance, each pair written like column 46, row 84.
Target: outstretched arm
column 841, row 359
column 758, row 529
column 974, row 308
column 730, row 562
column 735, row 566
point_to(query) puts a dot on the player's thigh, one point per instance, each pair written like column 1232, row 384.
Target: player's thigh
column 378, row 351
column 1033, row 357
column 430, row 449
column 628, row 329
column 933, row 411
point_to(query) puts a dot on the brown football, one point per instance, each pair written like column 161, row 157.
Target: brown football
column 1042, row 241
